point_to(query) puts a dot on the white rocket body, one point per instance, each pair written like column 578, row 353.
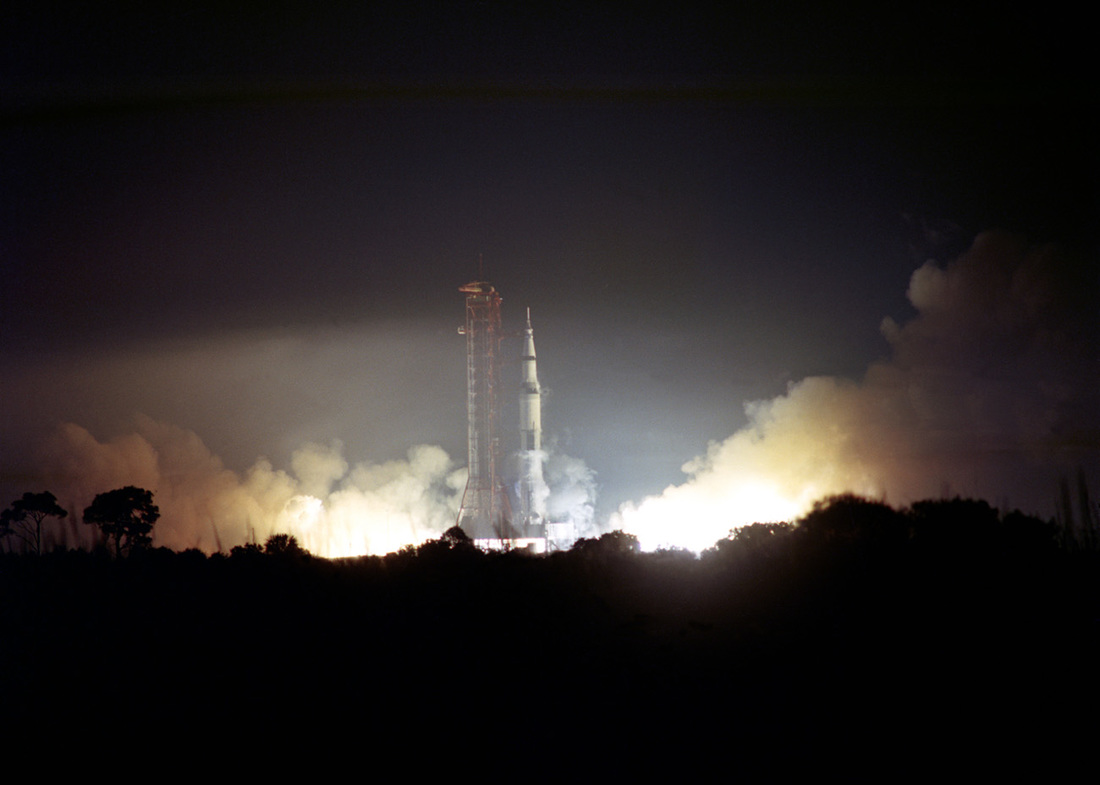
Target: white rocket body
column 533, row 491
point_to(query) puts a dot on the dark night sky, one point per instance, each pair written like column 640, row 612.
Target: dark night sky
column 251, row 224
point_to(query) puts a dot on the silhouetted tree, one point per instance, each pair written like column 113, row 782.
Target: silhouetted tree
column 760, row 534
column 612, row 544
column 125, row 515
column 454, row 546
column 757, row 540
column 455, row 537
column 848, row 517
column 283, row 545
column 249, row 550
column 24, row 517
column 961, row 524
column 1028, row 534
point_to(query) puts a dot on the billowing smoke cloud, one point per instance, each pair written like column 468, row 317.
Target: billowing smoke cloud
column 989, row 392
column 332, row 508
column 572, row 492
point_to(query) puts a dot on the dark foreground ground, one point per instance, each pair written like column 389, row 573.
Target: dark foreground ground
column 875, row 650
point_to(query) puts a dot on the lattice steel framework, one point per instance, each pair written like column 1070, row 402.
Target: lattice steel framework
column 485, row 511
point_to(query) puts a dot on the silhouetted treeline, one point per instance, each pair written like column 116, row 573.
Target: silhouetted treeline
column 123, row 517
column 856, row 630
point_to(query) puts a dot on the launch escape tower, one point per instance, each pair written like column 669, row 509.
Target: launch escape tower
column 485, row 512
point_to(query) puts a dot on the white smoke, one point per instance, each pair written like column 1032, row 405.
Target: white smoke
column 989, row 393
column 333, row 509
column 572, row 492
column 529, row 469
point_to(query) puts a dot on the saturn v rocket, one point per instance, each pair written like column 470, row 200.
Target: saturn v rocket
column 533, row 491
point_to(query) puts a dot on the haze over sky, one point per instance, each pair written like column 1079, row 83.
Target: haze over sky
column 228, row 235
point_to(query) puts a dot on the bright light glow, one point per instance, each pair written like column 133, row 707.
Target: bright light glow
column 300, row 514
column 695, row 516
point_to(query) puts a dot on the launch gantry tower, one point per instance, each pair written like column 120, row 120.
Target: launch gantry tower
column 485, row 512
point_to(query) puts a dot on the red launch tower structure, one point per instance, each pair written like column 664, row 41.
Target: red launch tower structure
column 485, row 513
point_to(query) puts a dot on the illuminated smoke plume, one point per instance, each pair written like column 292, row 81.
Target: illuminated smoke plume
column 989, row 393
column 572, row 492
column 333, row 509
